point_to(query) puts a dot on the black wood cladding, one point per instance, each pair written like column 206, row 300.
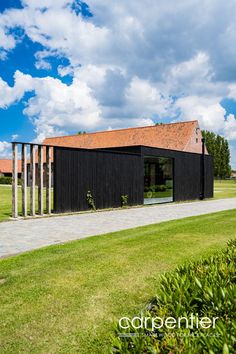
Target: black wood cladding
column 109, row 174
column 187, row 173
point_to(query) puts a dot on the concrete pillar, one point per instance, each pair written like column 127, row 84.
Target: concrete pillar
column 14, row 180
column 32, row 177
column 40, row 179
column 24, row 178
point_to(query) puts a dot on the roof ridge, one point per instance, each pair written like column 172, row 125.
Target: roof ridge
column 122, row 129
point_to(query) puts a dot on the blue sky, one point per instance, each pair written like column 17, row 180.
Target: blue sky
column 68, row 65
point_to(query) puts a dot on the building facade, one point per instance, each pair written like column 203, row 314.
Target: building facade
column 6, row 168
column 145, row 175
column 147, row 165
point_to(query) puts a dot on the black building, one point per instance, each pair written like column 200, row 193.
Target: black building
column 145, row 174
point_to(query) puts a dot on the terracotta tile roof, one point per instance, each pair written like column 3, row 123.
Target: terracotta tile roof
column 6, row 166
column 174, row 136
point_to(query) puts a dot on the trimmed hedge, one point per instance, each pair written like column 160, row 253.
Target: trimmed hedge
column 206, row 288
column 5, row 180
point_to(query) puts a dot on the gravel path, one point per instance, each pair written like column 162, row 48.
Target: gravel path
column 24, row 235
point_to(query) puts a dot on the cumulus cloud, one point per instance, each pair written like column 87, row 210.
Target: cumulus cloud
column 132, row 63
column 209, row 113
column 10, row 95
column 146, row 99
column 54, row 107
column 7, row 41
column 42, row 4
column 233, row 156
column 230, row 127
column 5, row 149
column 41, row 60
column 14, row 137
column 57, row 108
column 68, row 35
column 232, row 91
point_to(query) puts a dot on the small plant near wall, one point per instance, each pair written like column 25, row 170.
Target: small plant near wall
column 90, row 200
column 124, row 200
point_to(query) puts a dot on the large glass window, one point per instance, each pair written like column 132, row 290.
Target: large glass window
column 158, row 180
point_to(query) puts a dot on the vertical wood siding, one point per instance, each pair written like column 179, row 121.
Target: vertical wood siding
column 111, row 174
column 187, row 173
column 108, row 175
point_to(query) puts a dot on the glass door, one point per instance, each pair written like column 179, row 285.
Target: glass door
column 158, row 180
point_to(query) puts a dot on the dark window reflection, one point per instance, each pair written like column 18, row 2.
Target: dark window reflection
column 158, row 180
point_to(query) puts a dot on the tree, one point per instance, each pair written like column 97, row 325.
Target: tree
column 218, row 147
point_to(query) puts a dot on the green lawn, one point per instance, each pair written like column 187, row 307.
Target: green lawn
column 65, row 298
column 222, row 189
column 163, row 194
column 5, row 201
column 225, row 189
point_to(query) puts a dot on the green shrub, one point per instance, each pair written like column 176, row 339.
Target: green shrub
column 156, row 188
column 90, row 200
column 206, row 288
column 8, row 180
column 161, row 188
column 5, row 180
column 124, row 200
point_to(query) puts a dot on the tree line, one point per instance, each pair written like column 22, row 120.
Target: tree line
column 218, row 147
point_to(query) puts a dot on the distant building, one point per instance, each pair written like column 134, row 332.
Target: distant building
column 233, row 174
column 6, row 168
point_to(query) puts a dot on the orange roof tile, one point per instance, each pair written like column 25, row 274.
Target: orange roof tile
column 6, row 166
column 182, row 136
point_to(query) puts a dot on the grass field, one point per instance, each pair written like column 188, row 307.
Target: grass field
column 6, row 197
column 222, row 189
column 225, row 189
column 65, row 298
column 164, row 194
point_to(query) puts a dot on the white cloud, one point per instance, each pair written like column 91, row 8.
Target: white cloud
column 55, row 107
column 42, row 4
column 3, row 54
column 14, row 137
column 208, row 111
column 65, row 70
column 147, row 37
column 233, row 156
column 232, row 91
column 230, row 127
column 126, row 63
column 41, row 62
column 197, row 67
column 5, row 149
column 7, row 42
column 146, row 100
column 68, row 35
column 10, row 95
column 210, row 114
